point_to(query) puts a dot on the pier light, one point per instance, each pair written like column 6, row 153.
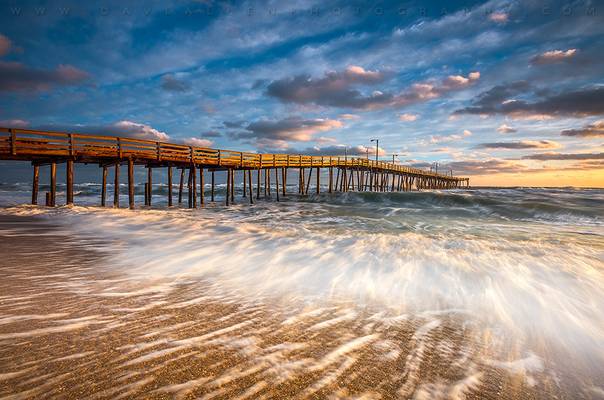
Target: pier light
column 377, row 148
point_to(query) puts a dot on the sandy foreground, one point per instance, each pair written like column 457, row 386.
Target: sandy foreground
column 72, row 326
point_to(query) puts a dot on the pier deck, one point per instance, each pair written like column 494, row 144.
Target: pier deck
column 353, row 173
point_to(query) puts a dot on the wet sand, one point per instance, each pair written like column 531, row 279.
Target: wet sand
column 72, row 326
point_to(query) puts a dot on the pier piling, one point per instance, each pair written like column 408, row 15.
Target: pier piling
column 69, row 182
column 34, row 186
column 169, row 186
column 104, row 186
column 116, row 186
column 131, row 183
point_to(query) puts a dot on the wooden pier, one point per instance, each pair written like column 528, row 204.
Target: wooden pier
column 344, row 174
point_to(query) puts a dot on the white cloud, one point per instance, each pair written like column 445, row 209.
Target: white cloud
column 14, row 123
column 499, row 17
column 349, row 116
column 408, row 117
column 140, row 131
column 198, row 142
column 450, row 138
column 504, row 128
column 553, row 56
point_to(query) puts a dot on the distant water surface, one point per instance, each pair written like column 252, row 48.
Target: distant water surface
column 436, row 294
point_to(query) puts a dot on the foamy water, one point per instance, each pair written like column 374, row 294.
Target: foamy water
column 425, row 295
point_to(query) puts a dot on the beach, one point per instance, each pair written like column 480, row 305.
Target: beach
column 367, row 297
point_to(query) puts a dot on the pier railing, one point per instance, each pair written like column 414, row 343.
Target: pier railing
column 30, row 144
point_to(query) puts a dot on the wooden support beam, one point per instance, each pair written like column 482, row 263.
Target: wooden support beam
column 318, row 180
column 169, row 186
column 308, row 182
column 277, row 183
column 53, row 184
column 69, row 182
column 267, row 173
column 116, row 186
column 249, row 179
column 337, row 178
column 284, row 179
column 181, row 185
column 330, row 179
column 131, row 183
column 202, row 199
column 189, row 191
column 104, row 186
column 194, row 185
column 232, row 186
column 244, row 185
column 212, row 187
column 228, row 186
column 258, row 172
column 149, row 184
column 35, row 185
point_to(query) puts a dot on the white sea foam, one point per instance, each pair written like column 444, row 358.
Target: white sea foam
column 529, row 280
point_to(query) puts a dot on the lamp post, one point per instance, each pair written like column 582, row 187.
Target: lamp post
column 394, row 155
column 377, row 148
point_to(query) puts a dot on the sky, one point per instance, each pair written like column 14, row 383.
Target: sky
column 506, row 93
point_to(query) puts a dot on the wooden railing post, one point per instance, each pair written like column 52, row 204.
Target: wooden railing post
column 119, row 148
column 13, row 142
column 158, row 150
column 71, row 149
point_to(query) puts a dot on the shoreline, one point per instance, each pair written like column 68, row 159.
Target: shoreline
column 73, row 326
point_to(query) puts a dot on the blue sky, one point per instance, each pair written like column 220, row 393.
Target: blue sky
column 513, row 89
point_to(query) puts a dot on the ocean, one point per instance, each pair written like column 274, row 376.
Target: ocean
column 474, row 293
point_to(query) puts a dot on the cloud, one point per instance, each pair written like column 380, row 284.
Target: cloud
column 122, row 128
column 14, row 123
column 429, row 90
column 504, row 128
column 335, row 89
column 198, row 142
column 212, row 134
column 499, row 17
column 554, row 56
column 5, row 45
column 349, row 116
column 500, row 100
column 339, row 150
column 477, row 167
column 450, row 138
column 277, row 133
column 595, row 129
column 15, row 76
column 564, row 156
column 138, row 130
column 171, row 83
column 520, row 145
column 408, row 117
column 233, row 124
